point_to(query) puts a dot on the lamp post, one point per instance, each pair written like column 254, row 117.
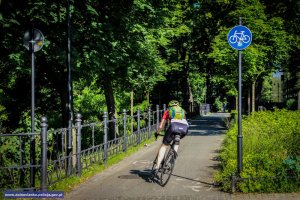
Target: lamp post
column 33, row 41
column 69, row 88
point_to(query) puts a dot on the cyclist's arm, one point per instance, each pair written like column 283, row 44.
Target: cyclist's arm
column 163, row 121
column 161, row 125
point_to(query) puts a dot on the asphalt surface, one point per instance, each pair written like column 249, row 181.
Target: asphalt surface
column 192, row 177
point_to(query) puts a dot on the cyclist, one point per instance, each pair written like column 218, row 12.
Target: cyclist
column 176, row 118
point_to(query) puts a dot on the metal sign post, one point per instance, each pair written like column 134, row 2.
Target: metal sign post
column 239, row 38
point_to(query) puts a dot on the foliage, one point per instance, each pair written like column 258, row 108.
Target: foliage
column 291, row 104
column 268, row 52
column 156, row 49
column 89, row 101
column 270, row 153
column 218, row 105
column 10, row 155
column 3, row 113
column 197, row 82
column 139, row 46
column 266, row 91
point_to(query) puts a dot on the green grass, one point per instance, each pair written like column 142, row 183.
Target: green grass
column 271, row 153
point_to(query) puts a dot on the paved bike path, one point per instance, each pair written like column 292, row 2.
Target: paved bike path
column 192, row 176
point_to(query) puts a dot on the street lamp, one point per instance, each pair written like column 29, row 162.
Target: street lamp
column 33, row 41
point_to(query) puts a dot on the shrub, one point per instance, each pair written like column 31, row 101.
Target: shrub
column 218, row 105
column 291, row 104
column 271, row 153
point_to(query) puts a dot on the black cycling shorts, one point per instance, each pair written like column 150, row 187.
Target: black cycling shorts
column 174, row 129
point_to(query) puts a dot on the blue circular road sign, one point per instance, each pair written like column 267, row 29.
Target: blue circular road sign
column 239, row 37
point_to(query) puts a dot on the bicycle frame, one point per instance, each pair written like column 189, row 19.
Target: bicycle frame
column 167, row 165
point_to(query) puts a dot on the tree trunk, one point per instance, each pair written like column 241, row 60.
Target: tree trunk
column 236, row 103
column 64, row 110
column 249, row 101
column 185, row 81
column 110, row 103
column 253, row 97
column 148, row 98
column 191, row 99
column 186, row 93
column 299, row 100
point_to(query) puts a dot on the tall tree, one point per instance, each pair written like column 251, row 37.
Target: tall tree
column 289, row 11
column 266, row 53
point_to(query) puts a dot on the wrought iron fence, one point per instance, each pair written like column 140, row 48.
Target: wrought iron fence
column 17, row 169
column 58, row 158
column 17, row 172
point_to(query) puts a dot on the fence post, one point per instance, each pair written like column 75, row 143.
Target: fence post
column 69, row 151
column 149, row 122
column 78, row 143
column 125, row 130
column 157, row 116
column 105, row 137
column 44, row 163
column 165, row 107
column 138, row 126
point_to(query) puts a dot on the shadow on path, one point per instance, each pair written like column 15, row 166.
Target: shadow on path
column 208, row 125
column 146, row 176
column 194, row 180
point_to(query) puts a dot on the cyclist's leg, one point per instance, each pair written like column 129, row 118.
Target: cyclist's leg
column 168, row 137
column 161, row 154
column 176, row 146
column 176, row 142
column 181, row 133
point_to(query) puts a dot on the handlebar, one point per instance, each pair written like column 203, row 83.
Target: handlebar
column 156, row 134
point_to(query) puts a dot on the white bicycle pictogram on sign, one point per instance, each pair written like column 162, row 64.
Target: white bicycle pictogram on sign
column 239, row 38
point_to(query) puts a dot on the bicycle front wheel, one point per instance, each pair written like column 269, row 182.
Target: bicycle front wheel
column 167, row 168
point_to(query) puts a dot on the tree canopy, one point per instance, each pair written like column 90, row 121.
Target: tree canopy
column 159, row 50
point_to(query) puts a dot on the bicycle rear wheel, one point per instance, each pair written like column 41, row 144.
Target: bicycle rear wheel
column 167, row 168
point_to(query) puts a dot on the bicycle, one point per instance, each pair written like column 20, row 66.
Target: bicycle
column 167, row 165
